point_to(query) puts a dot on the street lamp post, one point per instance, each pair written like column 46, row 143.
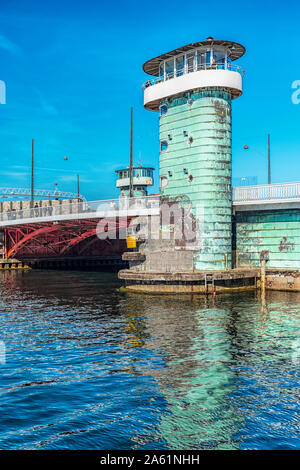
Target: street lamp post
column 246, row 147
column 32, row 172
column 269, row 160
column 78, row 193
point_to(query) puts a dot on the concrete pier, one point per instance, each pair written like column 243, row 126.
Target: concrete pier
column 9, row 264
column 209, row 282
column 104, row 263
column 200, row 282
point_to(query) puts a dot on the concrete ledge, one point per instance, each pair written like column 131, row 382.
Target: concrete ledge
column 181, row 289
column 133, row 256
column 128, row 274
column 233, row 280
column 285, row 280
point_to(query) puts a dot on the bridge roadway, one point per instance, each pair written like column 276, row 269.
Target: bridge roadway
column 108, row 209
column 245, row 198
column 69, row 229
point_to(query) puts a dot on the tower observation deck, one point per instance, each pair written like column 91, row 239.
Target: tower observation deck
column 141, row 179
column 203, row 64
column 192, row 89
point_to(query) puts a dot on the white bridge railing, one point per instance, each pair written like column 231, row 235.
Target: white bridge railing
column 81, row 210
column 56, row 210
column 267, row 192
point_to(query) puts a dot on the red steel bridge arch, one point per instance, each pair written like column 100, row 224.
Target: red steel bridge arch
column 73, row 238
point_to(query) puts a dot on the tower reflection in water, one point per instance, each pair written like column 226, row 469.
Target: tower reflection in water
column 227, row 371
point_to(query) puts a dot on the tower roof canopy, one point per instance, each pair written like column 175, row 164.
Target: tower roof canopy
column 135, row 168
column 235, row 50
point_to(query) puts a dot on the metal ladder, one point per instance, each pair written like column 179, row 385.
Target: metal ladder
column 209, row 280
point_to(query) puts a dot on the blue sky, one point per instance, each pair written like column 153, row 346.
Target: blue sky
column 73, row 69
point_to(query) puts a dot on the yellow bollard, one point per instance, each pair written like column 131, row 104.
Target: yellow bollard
column 131, row 242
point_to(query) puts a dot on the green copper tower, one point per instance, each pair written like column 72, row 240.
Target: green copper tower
column 192, row 89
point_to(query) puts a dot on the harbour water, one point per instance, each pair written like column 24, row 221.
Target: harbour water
column 84, row 366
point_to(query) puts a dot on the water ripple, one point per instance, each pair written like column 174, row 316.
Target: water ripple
column 90, row 368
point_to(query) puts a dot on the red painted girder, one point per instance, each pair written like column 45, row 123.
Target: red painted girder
column 32, row 235
column 77, row 240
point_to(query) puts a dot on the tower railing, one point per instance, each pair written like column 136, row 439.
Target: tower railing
column 267, row 192
column 196, row 68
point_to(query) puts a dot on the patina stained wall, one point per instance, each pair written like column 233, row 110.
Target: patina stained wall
column 277, row 231
column 197, row 164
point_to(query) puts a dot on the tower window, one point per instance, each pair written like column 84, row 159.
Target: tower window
column 164, row 181
column 201, row 60
column 163, row 145
column 218, row 57
column 161, row 70
column 179, row 65
column 169, row 68
column 163, row 109
column 190, row 59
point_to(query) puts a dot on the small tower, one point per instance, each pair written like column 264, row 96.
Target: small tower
column 192, row 90
column 142, row 178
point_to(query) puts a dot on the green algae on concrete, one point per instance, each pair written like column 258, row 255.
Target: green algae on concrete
column 277, row 231
column 197, row 164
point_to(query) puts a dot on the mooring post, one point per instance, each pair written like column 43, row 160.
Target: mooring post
column 263, row 275
column 263, row 285
column 264, row 257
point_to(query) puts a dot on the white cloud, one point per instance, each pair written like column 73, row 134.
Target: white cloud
column 14, row 174
column 46, row 107
column 9, row 46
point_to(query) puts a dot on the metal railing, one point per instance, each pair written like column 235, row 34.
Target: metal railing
column 266, row 192
column 43, row 193
column 135, row 206
column 81, row 210
column 179, row 72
